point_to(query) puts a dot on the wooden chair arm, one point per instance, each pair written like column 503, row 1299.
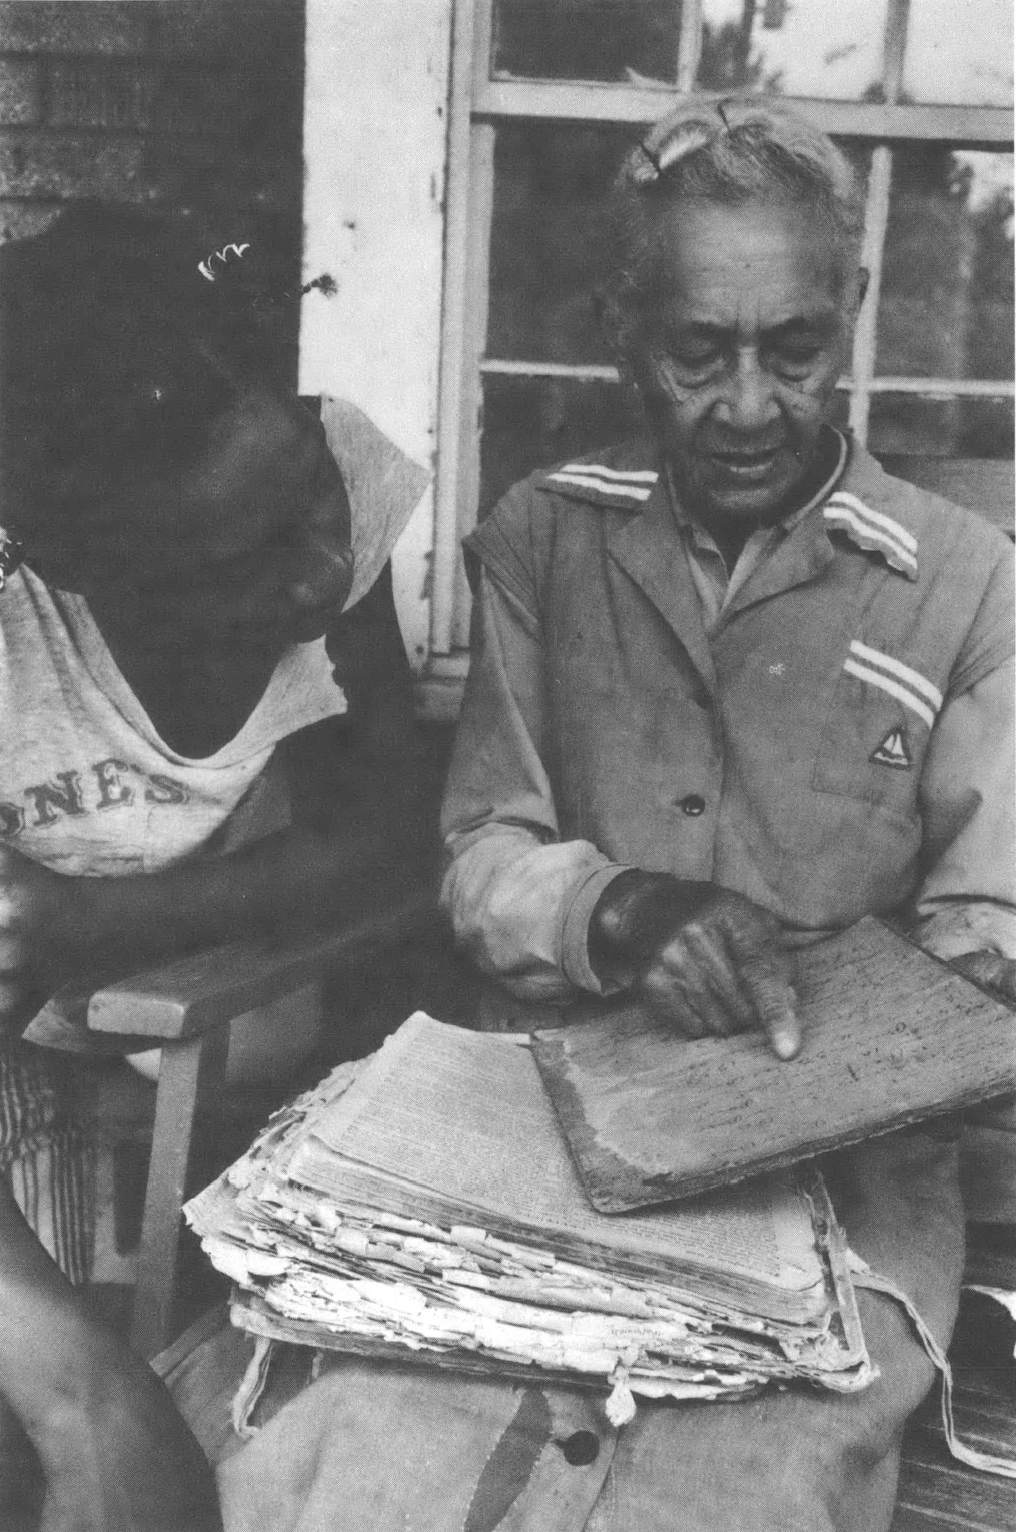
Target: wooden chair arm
column 184, row 1007
column 191, row 995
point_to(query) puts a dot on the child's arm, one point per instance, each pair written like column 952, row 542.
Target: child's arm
column 358, row 839
column 116, row 1455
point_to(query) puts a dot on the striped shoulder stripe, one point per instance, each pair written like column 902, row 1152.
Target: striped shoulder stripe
column 873, row 532
column 897, row 668
column 901, row 681
column 886, row 684
column 587, row 481
column 621, row 475
column 878, row 518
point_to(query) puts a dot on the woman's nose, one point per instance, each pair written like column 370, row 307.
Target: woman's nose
column 748, row 402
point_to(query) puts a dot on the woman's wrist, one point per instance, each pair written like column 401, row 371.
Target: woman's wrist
column 633, row 915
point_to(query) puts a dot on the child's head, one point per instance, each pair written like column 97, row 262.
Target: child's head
column 147, row 439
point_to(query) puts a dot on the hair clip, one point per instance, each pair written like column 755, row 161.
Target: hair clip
column 667, row 144
column 205, row 266
column 12, row 556
column 648, row 169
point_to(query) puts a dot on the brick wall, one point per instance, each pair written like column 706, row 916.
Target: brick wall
column 191, row 104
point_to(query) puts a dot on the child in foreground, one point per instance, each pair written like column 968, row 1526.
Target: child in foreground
column 181, row 540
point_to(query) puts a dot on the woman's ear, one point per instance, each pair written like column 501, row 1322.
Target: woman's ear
column 852, row 296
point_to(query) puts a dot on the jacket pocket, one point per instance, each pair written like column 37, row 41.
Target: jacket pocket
column 877, row 731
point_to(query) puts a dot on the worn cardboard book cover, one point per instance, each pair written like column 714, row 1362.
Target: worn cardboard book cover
column 891, row 1036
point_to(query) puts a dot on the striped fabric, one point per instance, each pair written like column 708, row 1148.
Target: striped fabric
column 901, row 681
column 46, row 1155
column 612, row 483
column 873, row 531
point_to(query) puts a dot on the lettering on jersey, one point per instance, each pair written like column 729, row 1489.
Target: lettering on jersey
column 50, row 800
column 162, row 789
column 12, row 819
column 112, row 791
column 67, row 795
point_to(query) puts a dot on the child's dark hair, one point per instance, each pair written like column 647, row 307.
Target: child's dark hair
column 118, row 354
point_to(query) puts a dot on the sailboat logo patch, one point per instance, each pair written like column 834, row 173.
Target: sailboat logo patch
column 893, row 751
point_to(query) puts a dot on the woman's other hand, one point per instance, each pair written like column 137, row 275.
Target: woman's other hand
column 991, row 969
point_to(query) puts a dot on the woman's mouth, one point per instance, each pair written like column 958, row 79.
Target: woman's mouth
column 747, row 467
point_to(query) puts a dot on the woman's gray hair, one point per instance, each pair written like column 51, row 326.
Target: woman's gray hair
column 735, row 151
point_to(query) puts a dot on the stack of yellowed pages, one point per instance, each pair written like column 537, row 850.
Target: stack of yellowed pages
column 422, row 1205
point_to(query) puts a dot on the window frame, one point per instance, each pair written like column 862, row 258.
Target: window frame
column 479, row 101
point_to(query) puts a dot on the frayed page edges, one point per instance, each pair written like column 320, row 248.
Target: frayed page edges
column 252, row 1386
column 984, row 1462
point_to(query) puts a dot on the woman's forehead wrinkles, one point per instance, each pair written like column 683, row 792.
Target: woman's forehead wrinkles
column 714, row 255
column 750, row 311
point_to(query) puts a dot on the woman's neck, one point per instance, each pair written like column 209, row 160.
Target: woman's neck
column 197, row 690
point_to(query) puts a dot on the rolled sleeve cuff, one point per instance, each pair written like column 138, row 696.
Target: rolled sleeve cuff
column 575, row 930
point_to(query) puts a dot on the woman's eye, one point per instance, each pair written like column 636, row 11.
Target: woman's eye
column 796, row 354
column 692, row 355
column 688, row 364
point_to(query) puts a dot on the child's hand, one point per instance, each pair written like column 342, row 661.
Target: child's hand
column 41, row 936
column 115, row 1453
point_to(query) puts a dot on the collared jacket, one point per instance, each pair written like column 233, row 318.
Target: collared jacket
column 838, row 743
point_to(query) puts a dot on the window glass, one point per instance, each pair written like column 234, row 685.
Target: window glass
column 548, row 245
column 946, row 308
column 529, row 423
column 619, row 40
column 830, row 49
column 959, row 54
column 904, row 423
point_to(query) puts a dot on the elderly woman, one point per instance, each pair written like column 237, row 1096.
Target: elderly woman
column 732, row 688
column 182, row 538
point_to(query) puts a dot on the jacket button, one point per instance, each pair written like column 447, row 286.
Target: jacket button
column 581, row 1448
column 693, row 805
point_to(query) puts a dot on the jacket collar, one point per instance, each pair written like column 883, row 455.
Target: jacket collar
column 876, row 513
column 649, row 544
column 650, row 549
column 861, row 504
column 851, row 508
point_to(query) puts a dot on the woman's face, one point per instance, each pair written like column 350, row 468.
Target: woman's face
column 749, row 333
column 252, row 542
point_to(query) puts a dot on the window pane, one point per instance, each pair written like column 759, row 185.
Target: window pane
column 959, row 53
column 547, row 246
column 941, row 427
column 830, row 49
column 947, row 281
column 529, row 423
column 586, row 39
